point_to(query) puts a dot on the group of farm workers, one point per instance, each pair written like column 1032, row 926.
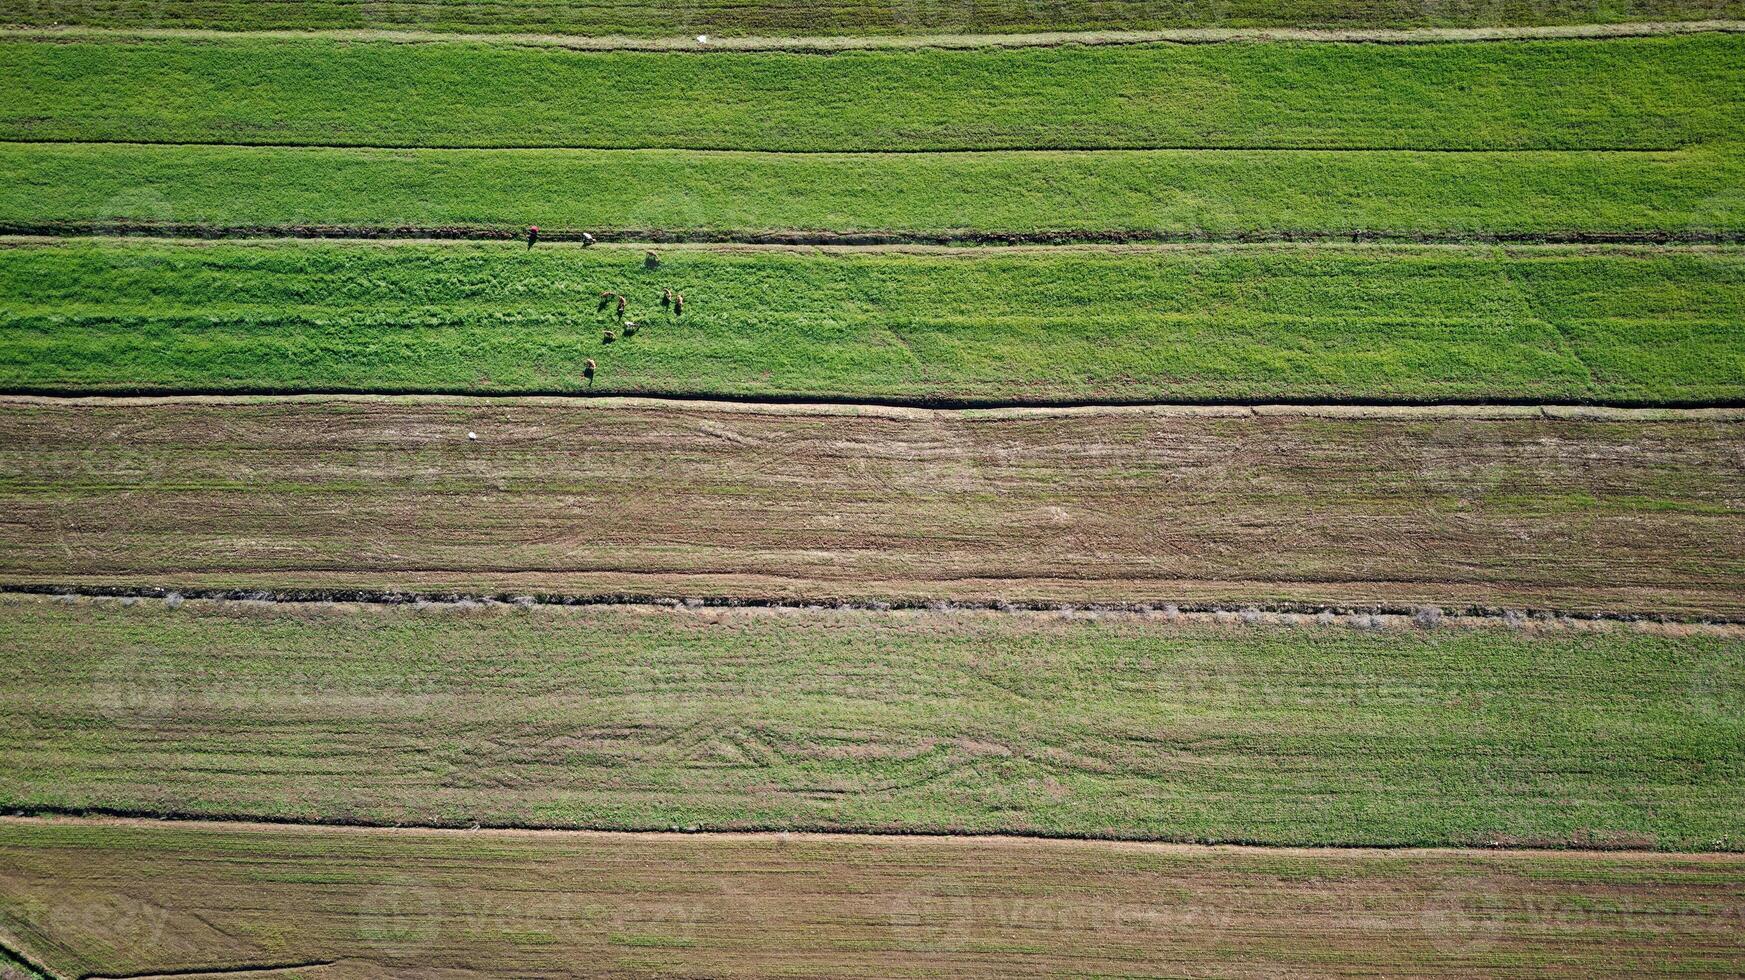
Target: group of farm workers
column 669, row 299
column 533, row 237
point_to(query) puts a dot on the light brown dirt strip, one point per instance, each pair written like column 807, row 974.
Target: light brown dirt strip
column 948, row 41
column 1578, row 510
column 131, row 897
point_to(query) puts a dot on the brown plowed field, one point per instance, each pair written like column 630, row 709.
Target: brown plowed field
column 132, row 898
column 1617, row 511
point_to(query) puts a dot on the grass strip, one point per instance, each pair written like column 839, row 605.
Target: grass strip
column 1114, row 196
column 1645, row 93
column 842, row 17
column 1116, row 726
column 1191, row 323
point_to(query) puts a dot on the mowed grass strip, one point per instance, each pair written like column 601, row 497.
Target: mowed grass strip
column 841, row 17
column 1108, row 196
column 94, row 897
column 1629, row 514
column 1652, row 93
column 1190, row 323
column 641, row 718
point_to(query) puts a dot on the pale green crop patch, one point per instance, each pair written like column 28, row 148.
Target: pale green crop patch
column 614, row 718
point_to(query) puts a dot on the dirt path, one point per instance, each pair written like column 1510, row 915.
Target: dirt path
column 947, row 41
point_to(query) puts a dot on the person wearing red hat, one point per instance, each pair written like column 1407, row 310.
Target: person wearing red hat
column 532, row 236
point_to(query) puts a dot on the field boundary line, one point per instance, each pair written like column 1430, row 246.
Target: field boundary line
column 874, row 42
column 903, row 406
column 196, row 231
column 95, row 816
column 216, row 971
column 636, row 248
column 805, row 405
column 1280, row 615
column 619, row 148
column 11, row 947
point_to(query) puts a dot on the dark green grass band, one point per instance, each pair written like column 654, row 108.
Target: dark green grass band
column 1561, row 140
column 1649, row 93
column 1062, row 325
column 1040, row 195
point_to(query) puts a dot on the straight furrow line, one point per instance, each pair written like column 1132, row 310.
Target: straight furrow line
column 961, row 41
column 1362, row 616
column 699, row 236
column 927, row 403
column 214, row 971
column 146, row 818
column 901, row 151
column 801, row 405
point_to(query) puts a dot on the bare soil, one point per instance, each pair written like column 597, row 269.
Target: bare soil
column 1585, row 511
column 123, row 898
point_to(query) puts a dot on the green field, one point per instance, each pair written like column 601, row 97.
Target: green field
column 1106, row 196
column 977, row 386
column 786, row 17
column 1632, row 137
column 1655, row 93
column 624, row 718
column 1251, row 322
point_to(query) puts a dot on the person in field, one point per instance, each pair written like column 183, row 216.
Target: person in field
column 532, row 236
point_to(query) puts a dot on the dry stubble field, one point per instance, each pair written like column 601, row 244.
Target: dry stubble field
column 1594, row 511
column 116, row 898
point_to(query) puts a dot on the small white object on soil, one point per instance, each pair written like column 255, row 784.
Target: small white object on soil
column 702, row 39
column 472, row 435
